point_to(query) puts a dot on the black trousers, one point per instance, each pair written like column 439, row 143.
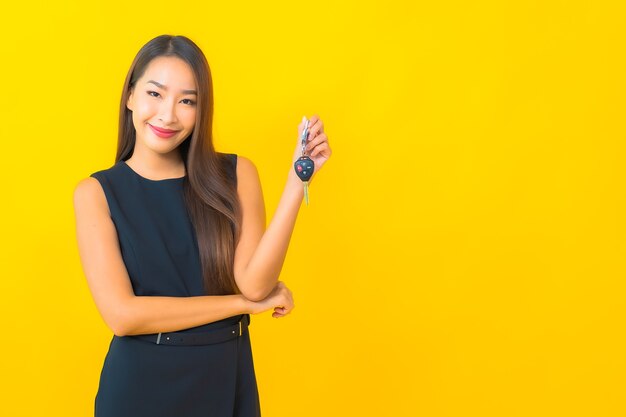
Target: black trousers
column 143, row 379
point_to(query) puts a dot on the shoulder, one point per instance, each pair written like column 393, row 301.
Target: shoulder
column 87, row 187
column 89, row 195
column 244, row 164
column 250, row 193
column 249, row 187
column 242, row 169
column 110, row 176
column 247, row 173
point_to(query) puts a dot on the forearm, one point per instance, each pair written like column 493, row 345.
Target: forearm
column 263, row 269
column 154, row 314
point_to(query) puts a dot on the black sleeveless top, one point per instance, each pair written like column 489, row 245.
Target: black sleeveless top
column 157, row 239
column 158, row 243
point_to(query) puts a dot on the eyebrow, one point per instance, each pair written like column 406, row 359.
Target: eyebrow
column 165, row 88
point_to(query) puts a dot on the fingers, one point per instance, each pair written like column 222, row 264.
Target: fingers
column 314, row 142
column 316, row 138
column 315, row 127
column 301, row 126
column 323, row 149
column 316, row 146
column 319, row 145
column 287, row 304
column 281, row 312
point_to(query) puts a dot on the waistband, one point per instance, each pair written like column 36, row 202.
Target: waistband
column 201, row 338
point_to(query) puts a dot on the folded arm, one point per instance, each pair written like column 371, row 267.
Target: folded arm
column 261, row 252
column 109, row 283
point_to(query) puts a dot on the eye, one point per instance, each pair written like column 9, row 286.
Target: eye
column 191, row 102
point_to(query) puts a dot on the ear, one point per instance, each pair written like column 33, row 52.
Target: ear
column 130, row 100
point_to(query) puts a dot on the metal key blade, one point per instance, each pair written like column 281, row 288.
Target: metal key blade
column 306, row 192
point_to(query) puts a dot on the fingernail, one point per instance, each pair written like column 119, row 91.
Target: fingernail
column 303, row 119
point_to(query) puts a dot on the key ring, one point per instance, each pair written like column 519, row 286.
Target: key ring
column 305, row 132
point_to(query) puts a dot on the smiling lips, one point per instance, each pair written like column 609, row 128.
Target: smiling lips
column 162, row 133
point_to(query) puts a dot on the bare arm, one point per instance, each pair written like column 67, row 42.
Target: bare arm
column 109, row 283
column 260, row 254
column 155, row 314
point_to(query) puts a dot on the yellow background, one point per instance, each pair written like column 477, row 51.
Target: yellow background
column 463, row 253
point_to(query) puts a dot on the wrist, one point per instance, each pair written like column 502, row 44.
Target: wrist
column 295, row 183
column 245, row 305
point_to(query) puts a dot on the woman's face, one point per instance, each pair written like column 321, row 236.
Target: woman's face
column 164, row 98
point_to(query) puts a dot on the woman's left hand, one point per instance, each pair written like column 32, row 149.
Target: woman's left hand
column 317, row 147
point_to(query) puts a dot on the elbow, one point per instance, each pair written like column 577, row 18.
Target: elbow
column 256, row 288
column 118, row 330
column 116, row 325
column 255, row 294
column 119, row 322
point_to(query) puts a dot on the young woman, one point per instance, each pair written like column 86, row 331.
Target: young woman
column 173, row 244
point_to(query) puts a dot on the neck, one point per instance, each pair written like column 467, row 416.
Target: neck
column 157, row 165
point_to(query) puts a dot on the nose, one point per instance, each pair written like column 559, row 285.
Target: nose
column 167, row 112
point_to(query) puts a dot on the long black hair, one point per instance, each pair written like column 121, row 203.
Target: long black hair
column 211, row 198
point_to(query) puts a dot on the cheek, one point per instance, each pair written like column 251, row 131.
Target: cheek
column 145, row 108
column 189, row 118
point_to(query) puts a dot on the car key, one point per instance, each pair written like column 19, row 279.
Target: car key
column 304, row 165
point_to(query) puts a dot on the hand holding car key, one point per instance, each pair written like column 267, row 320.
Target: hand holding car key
column 304, row 166
column 311, row 140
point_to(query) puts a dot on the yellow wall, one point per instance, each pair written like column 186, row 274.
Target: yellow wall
column 467, row 234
